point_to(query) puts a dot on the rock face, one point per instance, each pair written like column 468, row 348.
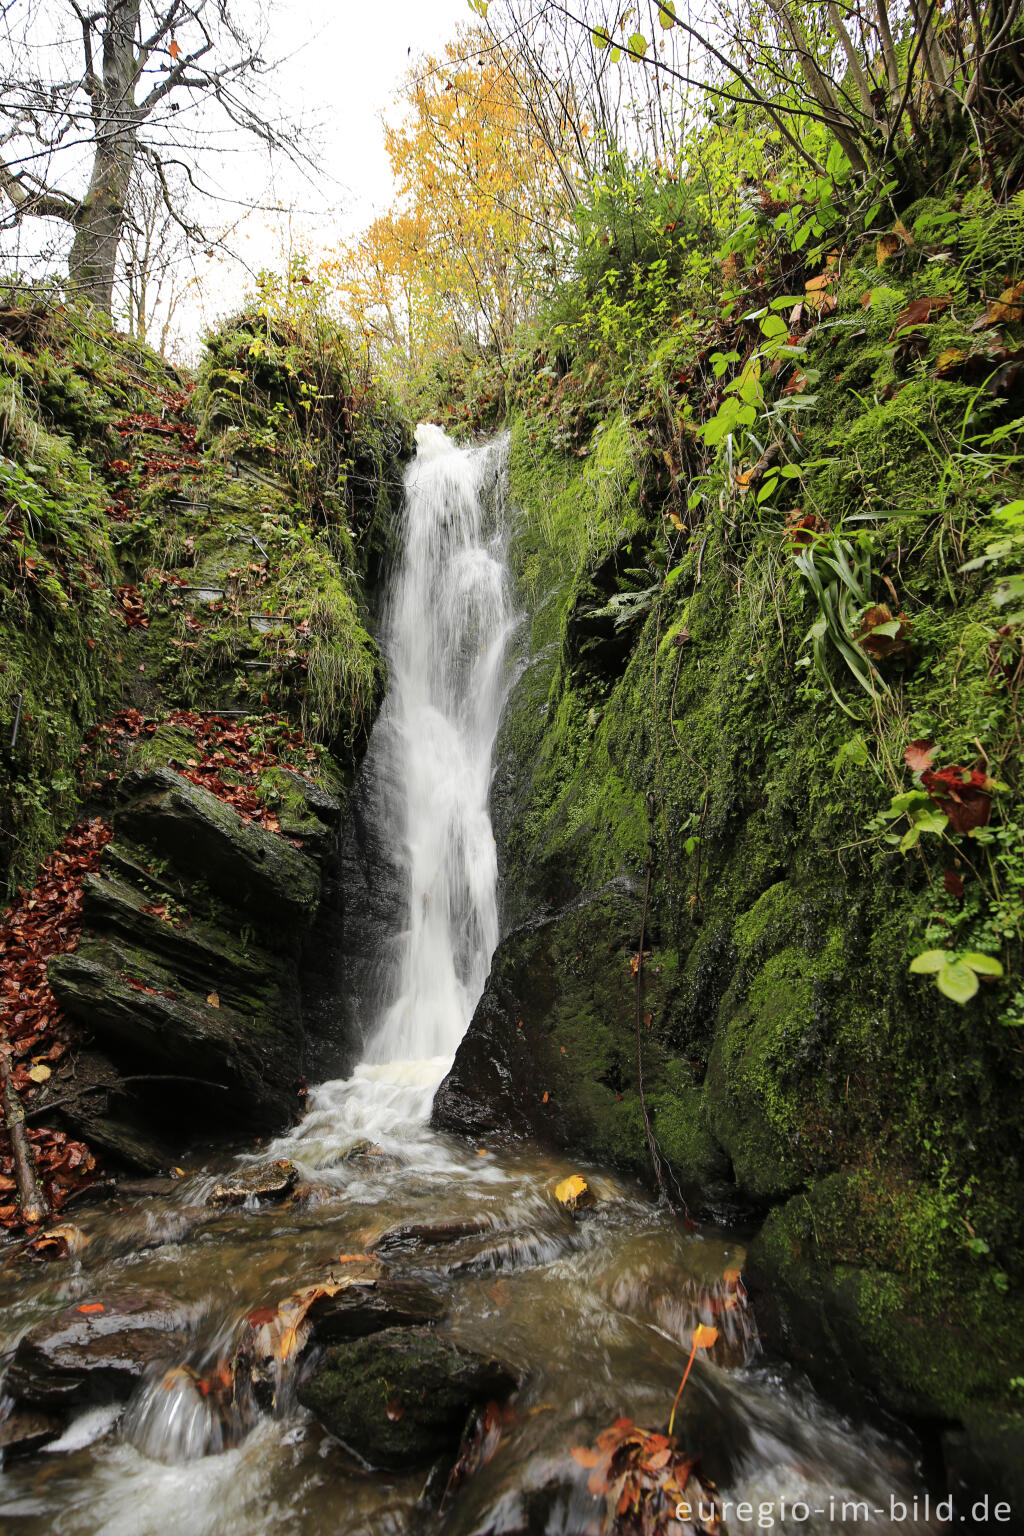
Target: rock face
column 96, row 1351
column 662, row 769
column 402, row 1397
column 190, row 959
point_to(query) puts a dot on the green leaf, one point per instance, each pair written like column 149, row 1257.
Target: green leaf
column 985, row 965
column 957, row 981
column 601, row 38
column 638, row 45
column 932, row 961
column 616, row 54
column 773, row 325
column 931, row 821
column 910, row 839
column 854, row 751
column 667, row 13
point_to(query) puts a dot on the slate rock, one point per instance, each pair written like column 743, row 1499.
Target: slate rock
column 81, row 1356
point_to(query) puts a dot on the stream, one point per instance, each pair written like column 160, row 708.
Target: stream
column 596, row 1313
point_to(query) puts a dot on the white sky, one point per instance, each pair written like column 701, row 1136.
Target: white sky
column 347, row 58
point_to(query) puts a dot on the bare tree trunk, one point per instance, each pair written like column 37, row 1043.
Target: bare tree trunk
column 100, row 220
column 34, row 1208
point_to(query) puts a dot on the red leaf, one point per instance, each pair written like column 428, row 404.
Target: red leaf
column 953, row 884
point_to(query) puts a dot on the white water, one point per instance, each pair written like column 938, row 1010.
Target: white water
column 448, row 622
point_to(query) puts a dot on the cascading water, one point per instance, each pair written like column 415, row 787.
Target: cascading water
column 448, row 623
column 597, row 1314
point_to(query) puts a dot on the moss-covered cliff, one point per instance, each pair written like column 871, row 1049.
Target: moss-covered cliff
column 187, row 581
column 688, row 689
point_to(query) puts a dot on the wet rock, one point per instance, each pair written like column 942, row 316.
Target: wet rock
column 26, row 1430
column 358, row 1311
column 429, row 1235
column 207, row 840
column 402, row 1397
column 266, row 1183
column 237, row 1066
column 122, row 1139
column 86, row 1355
column 367, row 1155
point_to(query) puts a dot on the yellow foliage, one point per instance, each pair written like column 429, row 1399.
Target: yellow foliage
column 450, row 268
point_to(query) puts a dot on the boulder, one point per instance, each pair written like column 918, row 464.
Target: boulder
column 401, row 1398
column 205, row 839
column 96, row 1350
column 241, row 1065
column 265, row 1183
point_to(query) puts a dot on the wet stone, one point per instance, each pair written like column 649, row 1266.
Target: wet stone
column 402, row 1397
column 267, row 1183
column 361, row 1310
column 26, row 1430
column 425, row 1235
column 97, row 1349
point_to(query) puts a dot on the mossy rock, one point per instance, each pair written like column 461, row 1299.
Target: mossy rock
column 861, row 1281
column 205, row 839
column 402, row 1398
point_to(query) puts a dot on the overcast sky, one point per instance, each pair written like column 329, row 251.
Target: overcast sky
column 343, row 62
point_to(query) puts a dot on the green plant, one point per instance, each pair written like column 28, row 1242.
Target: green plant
column 956, row 975
column 837, row 572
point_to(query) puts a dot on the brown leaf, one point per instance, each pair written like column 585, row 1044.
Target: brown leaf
column 952, row 884
column 213, row 1000
column 1008, row 309
column 918, row 755
column 919, row 312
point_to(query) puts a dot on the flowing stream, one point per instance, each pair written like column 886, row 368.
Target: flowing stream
column 596, row 1313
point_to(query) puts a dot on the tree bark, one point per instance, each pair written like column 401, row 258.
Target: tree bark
column 116, row 118
column 34, row 1208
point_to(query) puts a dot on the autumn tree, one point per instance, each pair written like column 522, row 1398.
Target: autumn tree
column 98, row 97
column 479, row 197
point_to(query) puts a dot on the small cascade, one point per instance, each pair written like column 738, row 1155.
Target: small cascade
column 449, row 618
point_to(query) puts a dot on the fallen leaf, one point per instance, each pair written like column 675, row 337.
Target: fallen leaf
column 90, row 1307
column 919, row 312
column 918, row 755
column 704, row 1336
column 213, row 1000
column 40, row 1073
column 574, row 1192
column 1008, row 309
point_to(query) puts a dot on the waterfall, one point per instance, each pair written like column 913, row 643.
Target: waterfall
column 448, row 621
column 424, row 876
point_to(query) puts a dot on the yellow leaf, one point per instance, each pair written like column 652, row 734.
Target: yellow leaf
column 570, row 1189
column 1008, row 308
column 213, row 1000
column 704, row 1336
column 40, row 1073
